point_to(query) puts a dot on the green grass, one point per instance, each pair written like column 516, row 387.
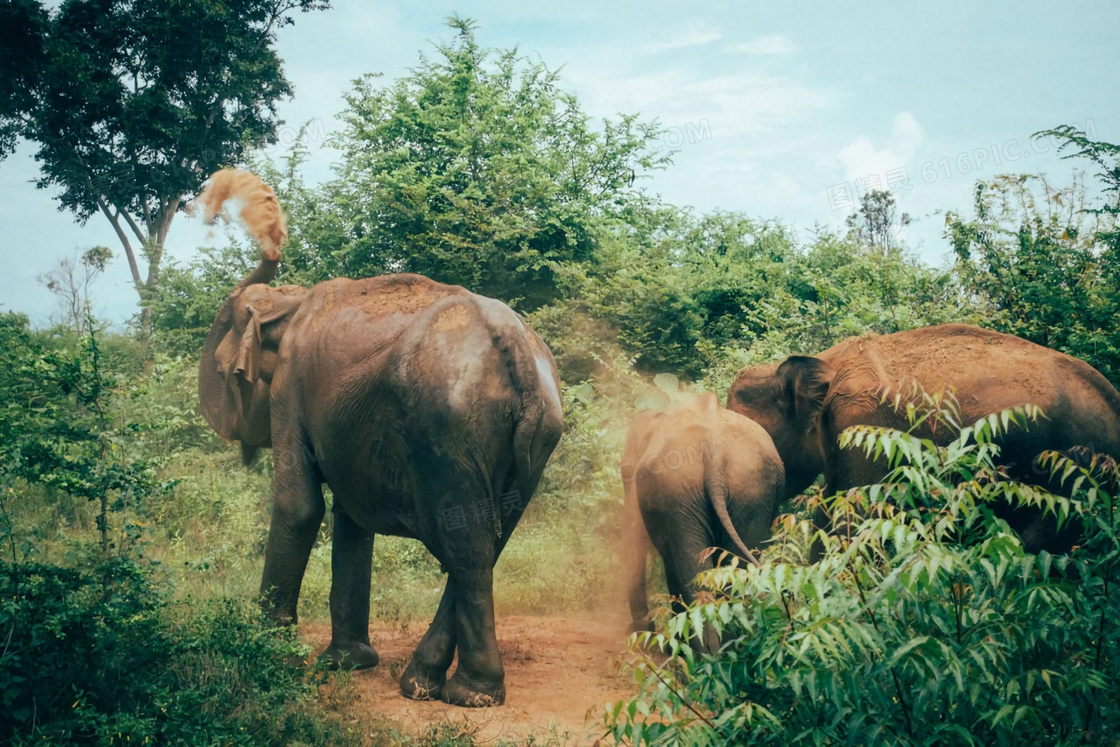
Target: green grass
column 202, row 541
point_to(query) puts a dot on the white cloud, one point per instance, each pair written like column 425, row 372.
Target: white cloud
column 734, row 104
column 770, row 44
column 861, row 159
column 694, row 37
column 744, row 138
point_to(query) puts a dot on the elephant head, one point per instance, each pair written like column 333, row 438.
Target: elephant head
column 240, row 356
column 789, row 400
column 241, row 349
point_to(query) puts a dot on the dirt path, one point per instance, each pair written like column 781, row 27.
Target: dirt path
column 559, row 674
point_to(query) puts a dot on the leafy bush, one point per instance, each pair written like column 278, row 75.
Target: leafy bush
column 474, row 168
column 925, row 623
column 97, row 656
column 92, row 651
column 686, row 294
column 1044, row 260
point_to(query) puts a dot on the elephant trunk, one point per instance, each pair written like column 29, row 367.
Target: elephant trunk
column 715, row 484
column 266, row 222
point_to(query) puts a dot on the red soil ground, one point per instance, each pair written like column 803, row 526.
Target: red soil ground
column 560, row 672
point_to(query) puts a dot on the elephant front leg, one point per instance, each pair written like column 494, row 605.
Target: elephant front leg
column 479, row 680
column 426, row 673
column 351, row 560
column 297, row 512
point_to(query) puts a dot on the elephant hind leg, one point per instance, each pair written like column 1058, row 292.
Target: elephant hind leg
column 426, row 673
column 465, row 618
column 479, row 680
column 682, row 564
column 351, row 561
column 635, row 553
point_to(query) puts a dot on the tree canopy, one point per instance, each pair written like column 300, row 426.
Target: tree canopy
column 133, row 103
column 476, row 168
column 1044, row 259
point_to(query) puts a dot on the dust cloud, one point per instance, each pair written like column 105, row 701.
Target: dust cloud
column 260, row 210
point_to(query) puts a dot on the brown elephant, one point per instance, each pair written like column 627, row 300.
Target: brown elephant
column 805, row 402
column 696, row 477
column 429, row 411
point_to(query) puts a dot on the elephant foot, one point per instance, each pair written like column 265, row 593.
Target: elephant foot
column 460, row 691
column 418, row 685
column 354, row 655
column 642, row 626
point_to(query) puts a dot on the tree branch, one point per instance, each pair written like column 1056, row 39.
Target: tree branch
column 146, row 215
column 114, row 219
column 165, row 223
column 135, row 228
column 277, row 13
column 686, row 701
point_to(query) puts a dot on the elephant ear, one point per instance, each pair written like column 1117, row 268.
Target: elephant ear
column 247, row 363
column 233, row 382
column 806, row 381
column 242, row 366
column 262, row 321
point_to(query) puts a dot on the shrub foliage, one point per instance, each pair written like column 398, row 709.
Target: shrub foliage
column 925, row 623
column 98, row 656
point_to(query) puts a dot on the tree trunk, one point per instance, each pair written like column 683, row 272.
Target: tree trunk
column 153, row 240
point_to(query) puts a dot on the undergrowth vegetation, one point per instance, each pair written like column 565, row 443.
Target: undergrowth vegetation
column 132, row 538
column 924, row 623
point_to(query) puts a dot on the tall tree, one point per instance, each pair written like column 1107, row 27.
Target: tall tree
column 477, row 169
column 133, row 103
column 876, row 223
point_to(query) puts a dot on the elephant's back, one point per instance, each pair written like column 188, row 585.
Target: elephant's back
column 987, row 370
column 751, row 459
column 420, row 383
column 677, row 448
column 355, row 339
column 685, row 442
column 360, row 317
column 941, row 355
column 377, row 297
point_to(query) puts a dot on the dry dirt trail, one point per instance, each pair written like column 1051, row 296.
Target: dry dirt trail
column 560, row 671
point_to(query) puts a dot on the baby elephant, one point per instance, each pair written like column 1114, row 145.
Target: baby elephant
column 696, row 477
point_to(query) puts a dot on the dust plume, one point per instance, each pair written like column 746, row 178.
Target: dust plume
column 260, row 210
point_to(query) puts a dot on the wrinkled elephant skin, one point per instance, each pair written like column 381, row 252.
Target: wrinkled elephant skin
column 805, row 402
column 429, row 411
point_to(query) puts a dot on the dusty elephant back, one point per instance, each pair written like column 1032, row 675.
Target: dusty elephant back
column 988, row 371
column 365, row 314
column 420, row 381
column 688, row 436
column 678, row 451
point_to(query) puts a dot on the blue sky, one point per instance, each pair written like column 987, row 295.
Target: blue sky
column 780, row 110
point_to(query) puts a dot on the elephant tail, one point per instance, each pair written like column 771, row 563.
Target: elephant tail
column 534, row 427
column 715, row 484
column 539, row 414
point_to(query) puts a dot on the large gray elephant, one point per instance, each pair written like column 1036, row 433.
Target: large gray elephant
column 806, row 401
column 429, row 411
column 694, row 478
